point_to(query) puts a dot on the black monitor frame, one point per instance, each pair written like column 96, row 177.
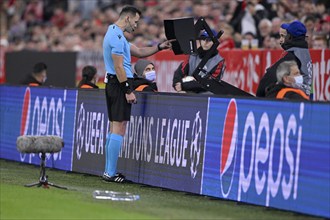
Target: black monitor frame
column 183, row 30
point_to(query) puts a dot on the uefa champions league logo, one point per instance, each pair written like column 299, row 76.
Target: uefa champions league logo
column 195, row 147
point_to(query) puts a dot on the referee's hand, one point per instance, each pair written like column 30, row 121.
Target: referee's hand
column 131, row 98
column 166, row 44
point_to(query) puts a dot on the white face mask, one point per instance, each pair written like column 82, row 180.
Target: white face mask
column 44, row 80
column 151, row 75
column 298, row 81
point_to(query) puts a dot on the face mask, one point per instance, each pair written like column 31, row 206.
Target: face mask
column 151, row 76
column 298, row 81
column 44, row 80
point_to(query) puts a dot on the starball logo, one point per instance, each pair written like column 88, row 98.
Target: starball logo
column 90, row 132
column 165, row 141
column 42, row 116
column 264, row 151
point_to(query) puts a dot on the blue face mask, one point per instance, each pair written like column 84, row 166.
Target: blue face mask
column 151, row 75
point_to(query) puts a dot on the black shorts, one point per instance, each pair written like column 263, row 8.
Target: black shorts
column 118, row 108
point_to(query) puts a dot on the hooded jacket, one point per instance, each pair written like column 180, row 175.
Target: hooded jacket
column 297, row 50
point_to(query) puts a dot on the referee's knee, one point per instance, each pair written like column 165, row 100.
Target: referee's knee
column 119, row 127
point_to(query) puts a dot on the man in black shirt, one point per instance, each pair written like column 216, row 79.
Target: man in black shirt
column 38, row 77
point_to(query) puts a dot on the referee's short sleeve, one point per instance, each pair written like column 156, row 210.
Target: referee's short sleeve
column 118, row 45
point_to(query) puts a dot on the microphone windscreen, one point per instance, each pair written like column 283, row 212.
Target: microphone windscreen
column 39, row 144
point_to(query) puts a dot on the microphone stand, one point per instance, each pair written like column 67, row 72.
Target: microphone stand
column 43, row 180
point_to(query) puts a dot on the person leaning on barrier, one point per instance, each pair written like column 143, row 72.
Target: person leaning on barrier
column 38, row 77
column 145, row 76
column 183, row 80
column 119, row 93
column 89, row 78
column 293, row 41
column 288, row 84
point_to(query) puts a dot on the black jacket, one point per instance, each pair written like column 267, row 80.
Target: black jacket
column 274, row 89
column 30, row 80
column 87, row 84
column 141, row 84
column 191, row 86
column 270, row 76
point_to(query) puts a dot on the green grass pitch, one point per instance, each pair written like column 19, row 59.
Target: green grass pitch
column 19, row 202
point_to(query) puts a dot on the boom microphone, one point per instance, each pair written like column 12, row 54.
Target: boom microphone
column 39, row 144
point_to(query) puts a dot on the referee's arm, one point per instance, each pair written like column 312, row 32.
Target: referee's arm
column 143, row 52
column 119, row 67
column 148, row 51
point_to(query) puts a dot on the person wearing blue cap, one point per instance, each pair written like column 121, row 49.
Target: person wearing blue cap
column 293, row 41
column 183, row 80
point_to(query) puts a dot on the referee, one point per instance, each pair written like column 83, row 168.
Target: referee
column 119, row 94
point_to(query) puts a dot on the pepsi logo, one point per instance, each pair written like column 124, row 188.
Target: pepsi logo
column 228, row 148
column 25, row 111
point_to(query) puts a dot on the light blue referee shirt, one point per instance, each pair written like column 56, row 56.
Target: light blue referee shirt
column 114, row 42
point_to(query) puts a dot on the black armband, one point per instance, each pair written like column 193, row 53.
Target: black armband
column 158, row 46
column 125, row 86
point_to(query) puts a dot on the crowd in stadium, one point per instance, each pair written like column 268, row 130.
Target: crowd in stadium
column 70, row 25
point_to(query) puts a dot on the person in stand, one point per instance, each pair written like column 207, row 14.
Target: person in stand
column 293, row 41
column 119, row 93
column 145, row 76
column 183, row 80
column 288, row 84
column 89, row 78
column 38, row 77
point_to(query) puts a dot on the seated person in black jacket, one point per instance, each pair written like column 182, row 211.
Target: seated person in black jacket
column 183, row 80
column 144, row 76
column 288, row 84
column 89, row 78
column 38, row 76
